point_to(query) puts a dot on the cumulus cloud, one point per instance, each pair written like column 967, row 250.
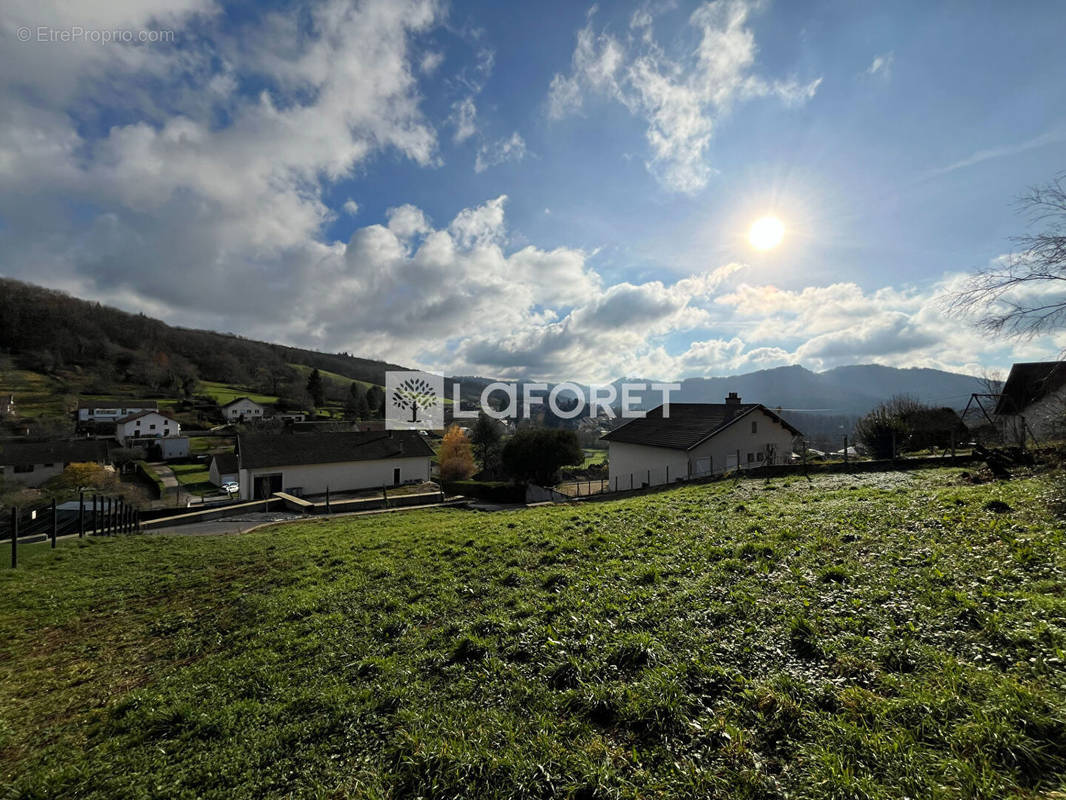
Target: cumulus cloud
column 680, row 99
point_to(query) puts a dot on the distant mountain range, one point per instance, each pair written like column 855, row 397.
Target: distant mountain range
column 843, row 390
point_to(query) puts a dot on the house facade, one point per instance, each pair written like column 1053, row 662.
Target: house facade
column 692, row 440
column 31, row 464
column 310, row 463
column 243, row 410
column 223, row 469
column 153, row 429
column 113, row 409
column 1032, row 402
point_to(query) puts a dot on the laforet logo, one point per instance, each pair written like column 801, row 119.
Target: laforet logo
column 415, row 400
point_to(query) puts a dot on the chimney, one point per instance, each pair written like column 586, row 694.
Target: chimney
column 732, row 399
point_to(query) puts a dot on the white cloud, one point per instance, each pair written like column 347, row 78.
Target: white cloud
column 463, row 116
column 681, row 100
column 492, row 154
column 881, row 66
column 351, row 207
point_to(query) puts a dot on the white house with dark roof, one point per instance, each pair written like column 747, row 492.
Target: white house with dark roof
column 33, row 463
column 113, row 409
column 153, row 428
column 691, row 440
column 243, row 409
column 1033, row 401
column 341, row 461
column 223, row 469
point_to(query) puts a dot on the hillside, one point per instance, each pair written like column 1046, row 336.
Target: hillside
column 856, row 636
column 50, row 332
column 62, row 346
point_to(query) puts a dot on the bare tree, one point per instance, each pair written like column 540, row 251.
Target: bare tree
column 1025, row 293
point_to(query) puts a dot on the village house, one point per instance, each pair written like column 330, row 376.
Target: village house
column 1033, row 402
column 113, row 409
column 696, row 439
column 243, row 409
column 33, row 463
column 148, row 428
column 310, row 463
column 223, row 469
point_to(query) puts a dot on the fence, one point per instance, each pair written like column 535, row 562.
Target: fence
column 654, row 478
column 96, row 515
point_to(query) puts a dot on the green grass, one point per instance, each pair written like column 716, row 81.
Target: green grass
column 867, row 636
column 194, row 478
column 594, row 457
column 224, row 393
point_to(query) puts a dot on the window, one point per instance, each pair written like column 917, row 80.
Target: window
column 151, row 427
column 759, row 456
column 754, row 427
column 24, row 468
column 751, row 457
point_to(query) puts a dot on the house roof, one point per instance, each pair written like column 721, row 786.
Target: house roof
column 687, row 425
column 236, row 400
column 53, row 452
column 225, row 463
column 139, row 414
column 285, row 449
column 1028, row 383
column 118, row 402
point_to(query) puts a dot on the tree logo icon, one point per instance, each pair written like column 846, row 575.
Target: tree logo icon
column 415, row 400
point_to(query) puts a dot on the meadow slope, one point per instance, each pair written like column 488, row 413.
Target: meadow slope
column 855, row 636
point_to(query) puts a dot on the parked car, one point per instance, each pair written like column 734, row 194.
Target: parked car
column 230, row 487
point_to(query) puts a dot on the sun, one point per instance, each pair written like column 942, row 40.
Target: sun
column 766, row 233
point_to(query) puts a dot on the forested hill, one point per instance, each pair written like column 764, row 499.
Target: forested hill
column 46, row 330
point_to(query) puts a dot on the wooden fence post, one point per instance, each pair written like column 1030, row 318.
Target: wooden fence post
column 55, row 523
column 81, row 514
column 845, row 452
column 385, row 494
column 14, row 537
column 327, row 500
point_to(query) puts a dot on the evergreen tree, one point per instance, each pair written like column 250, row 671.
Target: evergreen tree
column 316, row 389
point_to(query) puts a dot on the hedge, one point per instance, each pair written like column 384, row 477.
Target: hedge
column 493, row 491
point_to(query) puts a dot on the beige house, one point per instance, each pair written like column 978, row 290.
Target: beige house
column 692, row 440
column 243, row 410
column 340, row 461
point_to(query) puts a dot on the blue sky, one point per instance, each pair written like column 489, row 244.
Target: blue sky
column 550, row 190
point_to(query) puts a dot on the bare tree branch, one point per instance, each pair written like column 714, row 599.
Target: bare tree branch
column 1025, row 295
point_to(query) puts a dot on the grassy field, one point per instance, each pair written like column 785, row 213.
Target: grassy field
column 223, row 393
column 194, row 478
column 873, row 636
column 593, row 457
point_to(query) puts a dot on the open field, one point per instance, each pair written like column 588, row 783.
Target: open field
column 223, row 393
column 857, row 636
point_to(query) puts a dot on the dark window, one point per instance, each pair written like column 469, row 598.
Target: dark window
column 759, row 456
column 24, row 468
column 755, row 427
column 151, row 427
column 396, row 476
column 751, row 457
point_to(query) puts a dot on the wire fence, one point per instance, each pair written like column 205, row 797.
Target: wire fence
column 93, row 515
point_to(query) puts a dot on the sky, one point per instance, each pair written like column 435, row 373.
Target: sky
column 549, row 190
